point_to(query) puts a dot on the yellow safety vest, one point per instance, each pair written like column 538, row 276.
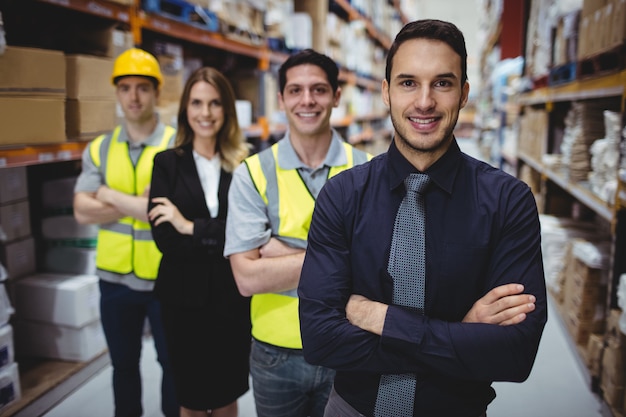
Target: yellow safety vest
column 127, row 246
column 274, row 317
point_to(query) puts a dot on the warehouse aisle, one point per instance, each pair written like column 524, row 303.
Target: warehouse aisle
column 558, row 385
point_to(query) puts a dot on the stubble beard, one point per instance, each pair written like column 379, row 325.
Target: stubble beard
column 439, row 143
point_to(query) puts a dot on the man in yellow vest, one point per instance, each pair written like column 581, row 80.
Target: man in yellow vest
column 271, row 202
column 112, row 191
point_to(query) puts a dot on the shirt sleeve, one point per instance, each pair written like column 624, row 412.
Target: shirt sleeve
column 90, row 178
column 412, row 342
column 247, row 222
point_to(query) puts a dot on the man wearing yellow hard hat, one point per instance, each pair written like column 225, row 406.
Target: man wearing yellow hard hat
column 112, row 191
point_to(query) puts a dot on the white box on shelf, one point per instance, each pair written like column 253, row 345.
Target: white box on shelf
column 65, row 299
column 70, row 259
column 46, row 340
column 58, row 193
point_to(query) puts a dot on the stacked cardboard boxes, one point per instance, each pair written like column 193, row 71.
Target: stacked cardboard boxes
column 584, row 295
column 58, row 317
column 613, row 368
column 14, row 224
column 533, row 130
column 17, row 246
column 68, row 247
column 90, row 107
column 602, row 26
column 32, row 96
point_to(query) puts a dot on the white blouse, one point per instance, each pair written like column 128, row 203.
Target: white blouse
column 209, row 173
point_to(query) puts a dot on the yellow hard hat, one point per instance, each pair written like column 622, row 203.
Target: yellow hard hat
column 136, row 61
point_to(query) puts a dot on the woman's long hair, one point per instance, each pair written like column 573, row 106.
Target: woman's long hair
column 230, row 143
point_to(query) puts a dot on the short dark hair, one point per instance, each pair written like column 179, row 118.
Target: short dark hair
column 151, row 79
column 430, row 29
column 309, row 56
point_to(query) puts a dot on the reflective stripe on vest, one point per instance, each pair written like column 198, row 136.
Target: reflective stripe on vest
column 127, row 246
column 290, row 208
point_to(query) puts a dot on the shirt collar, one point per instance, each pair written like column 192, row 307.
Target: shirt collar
column 288, row 158
column 215, row 161
column 443, row 172
column 153, row 140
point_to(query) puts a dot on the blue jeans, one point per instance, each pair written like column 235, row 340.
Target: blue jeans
column 123, row 312
column 285, row 385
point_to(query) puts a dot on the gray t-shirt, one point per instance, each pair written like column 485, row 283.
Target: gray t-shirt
column 247, row 223
column 92, row 177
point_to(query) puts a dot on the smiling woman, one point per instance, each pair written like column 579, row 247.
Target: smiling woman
column 206, row 320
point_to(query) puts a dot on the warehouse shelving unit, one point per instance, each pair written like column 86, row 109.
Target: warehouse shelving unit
column 522, row 133
column 45, row 382
column 139, row 23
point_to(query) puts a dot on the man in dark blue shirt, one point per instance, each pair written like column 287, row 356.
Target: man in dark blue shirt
column 484, row 304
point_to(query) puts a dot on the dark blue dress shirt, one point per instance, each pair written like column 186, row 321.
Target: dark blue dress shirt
column 482, row 231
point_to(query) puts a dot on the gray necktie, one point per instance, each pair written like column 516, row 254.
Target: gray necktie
column 396, row 393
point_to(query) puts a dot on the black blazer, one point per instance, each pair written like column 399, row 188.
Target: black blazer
column 193, row 270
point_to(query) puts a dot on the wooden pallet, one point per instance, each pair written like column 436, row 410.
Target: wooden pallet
column 562, row 74
column 184, row 12
column 602, row 63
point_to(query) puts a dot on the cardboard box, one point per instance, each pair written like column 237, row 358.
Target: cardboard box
column 63, row 299
column 65, row 227
column 590, row 6
column 122, row 41
column 595, row 349
column 58, row 195
column 581, row 329
column 614, row 336
column 606, row 33
column 10, row 390
column 619, row 22
column 32, row 71
column 613, row 365
column 584, row 36
column 70, row 259
column 13, row 184
column 88, row 38
column 18, row 257
column 596, row 39
column 15, row 220
column 250, row 86
column 170, row 57
column 89, row 77
column 87, row 119
column 613, row 395
column 32, row 120
column 37, row 339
